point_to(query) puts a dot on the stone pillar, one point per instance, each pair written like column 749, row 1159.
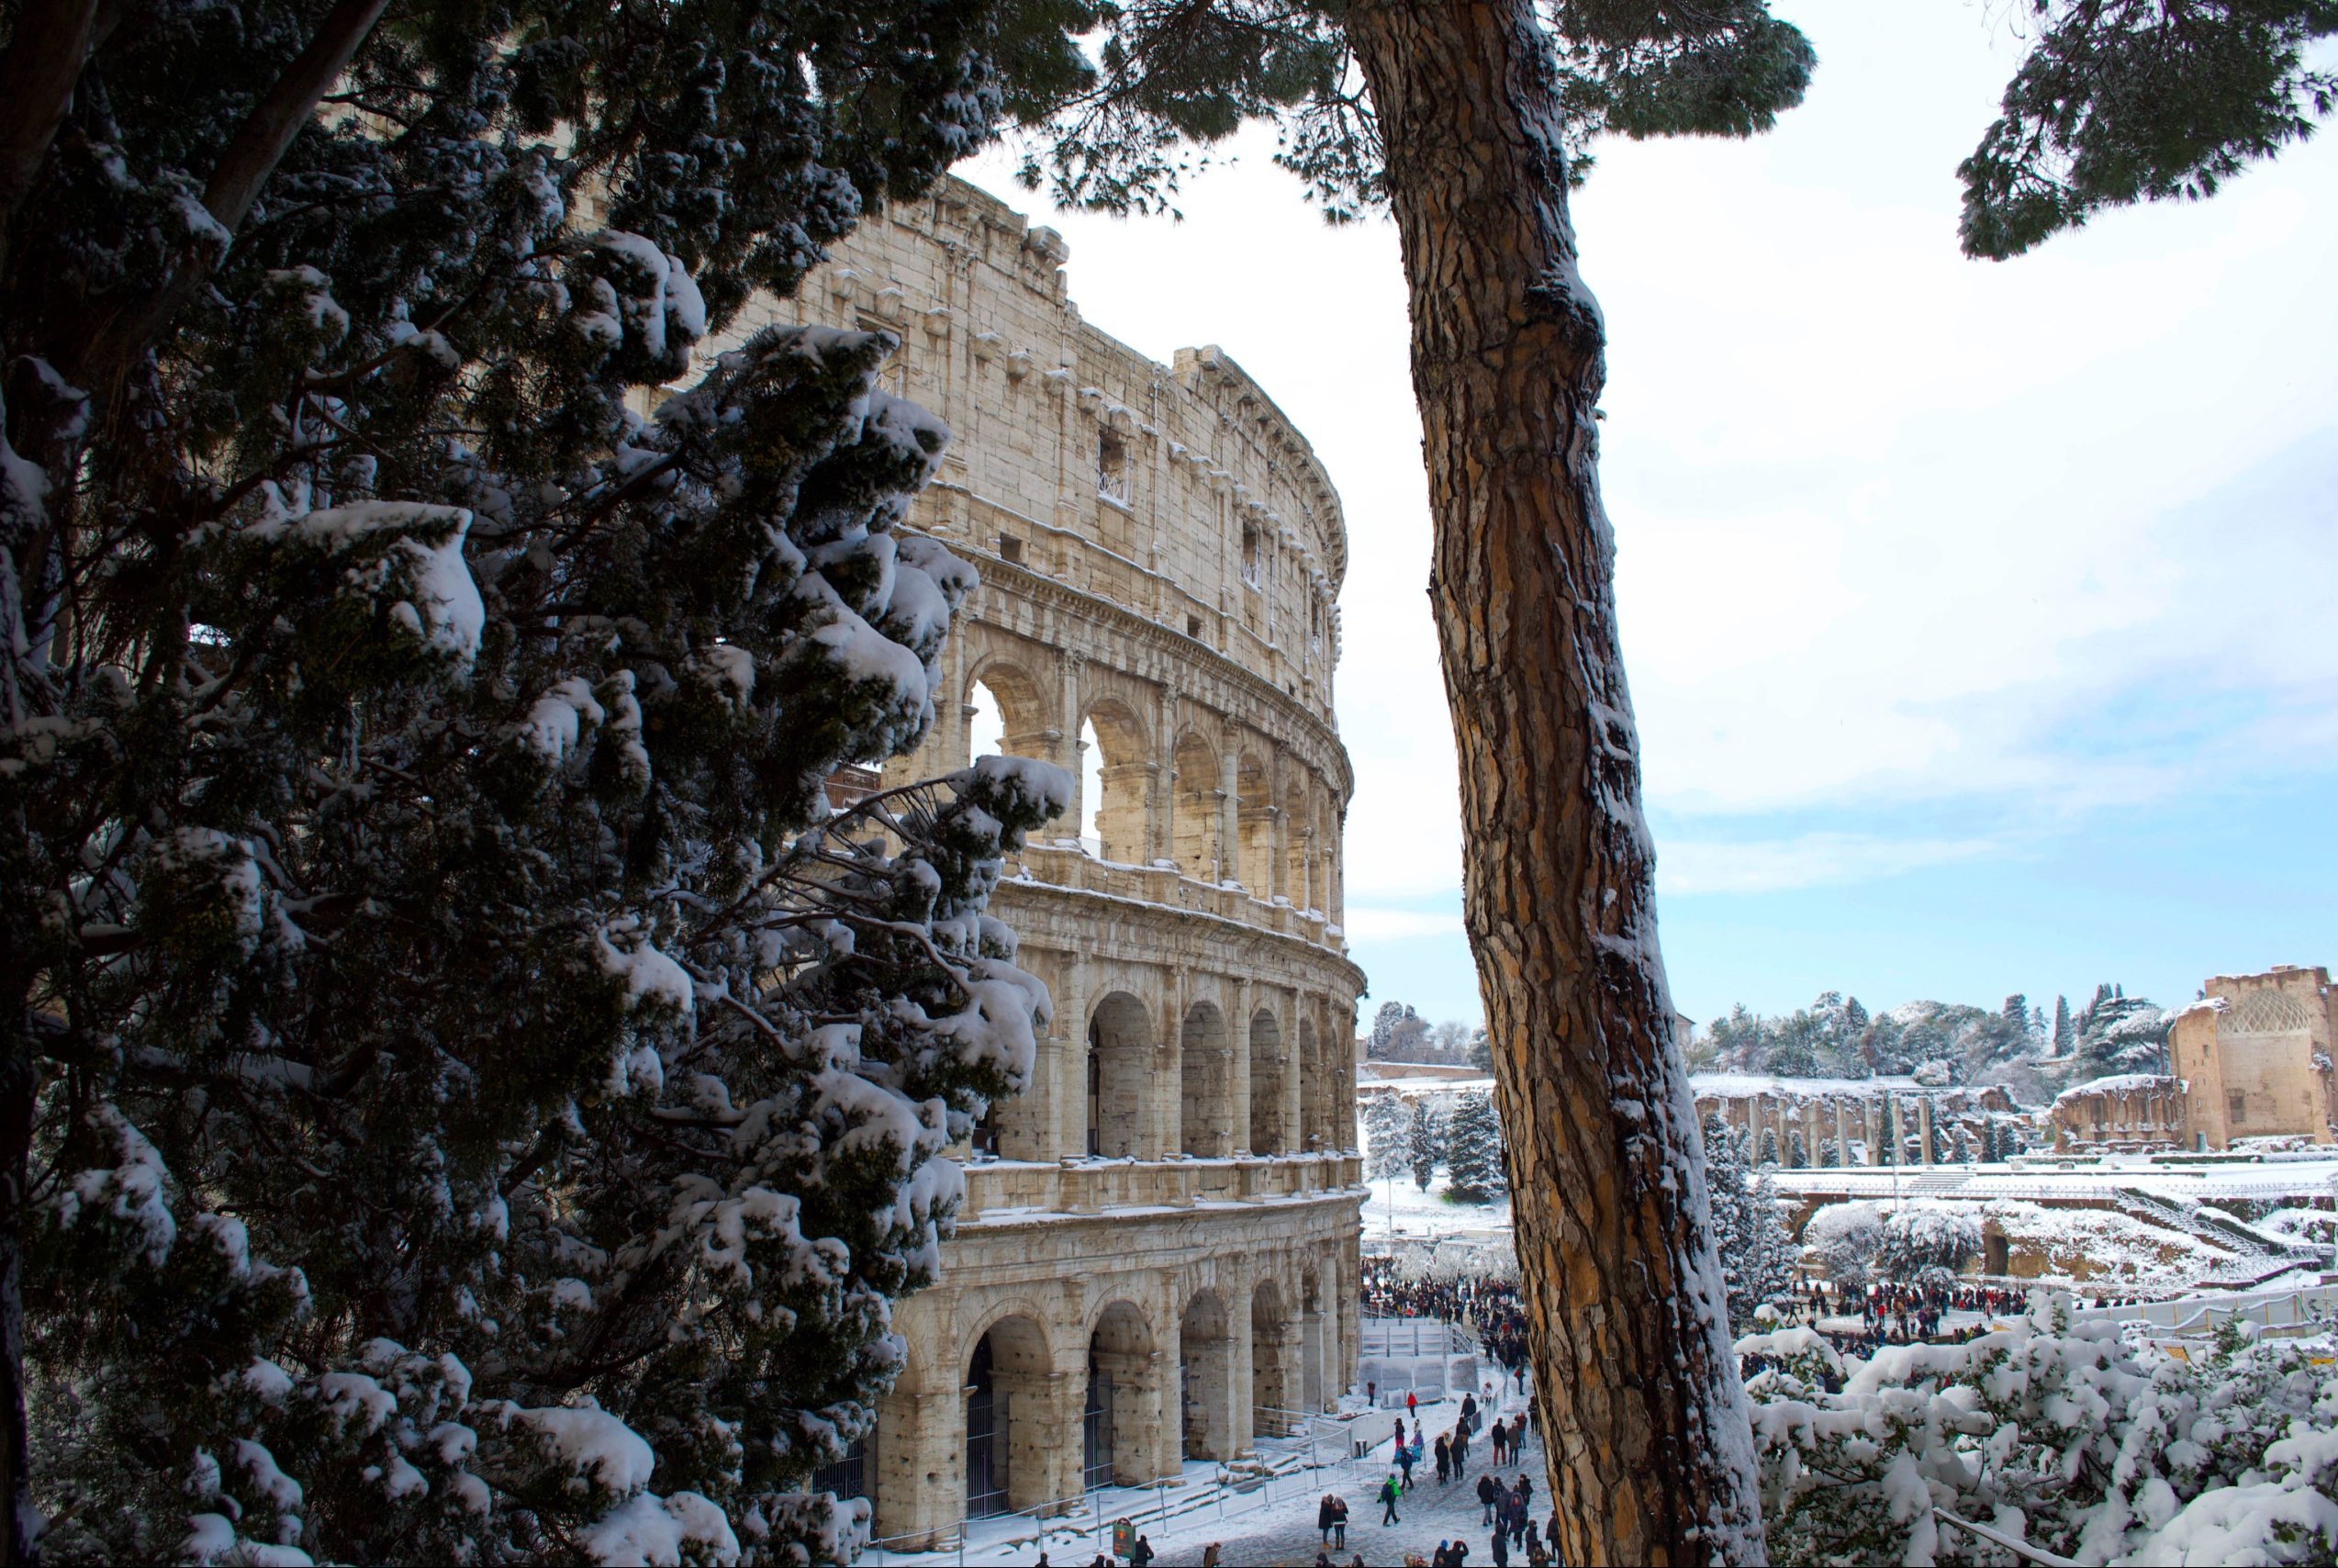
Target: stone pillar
column 1072, row 1005
column 1891, row 1132
column 1239, row 1076
column 1241, row 1375
column 1296, row 1068
column 1044, row 1442
column 1924, row 1127
column 1136, row 1380
column 1230, row 868
column 919, row 1456
column 1868, row 1133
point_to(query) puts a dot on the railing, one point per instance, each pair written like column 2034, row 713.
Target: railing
column 2310, row 1306
column 998, row 1193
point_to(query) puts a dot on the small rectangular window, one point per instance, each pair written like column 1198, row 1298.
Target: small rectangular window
column 1011, row 549
column 1194, row 627
column 1250, row 569
column 2237, row 1103
column 1112, row 467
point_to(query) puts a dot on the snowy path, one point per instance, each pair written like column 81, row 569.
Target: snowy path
column 1428, row 1514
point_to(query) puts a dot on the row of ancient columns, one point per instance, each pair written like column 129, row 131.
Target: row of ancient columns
column 1878, row 1127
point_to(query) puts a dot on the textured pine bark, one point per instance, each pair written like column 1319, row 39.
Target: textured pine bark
column 1649, row 1451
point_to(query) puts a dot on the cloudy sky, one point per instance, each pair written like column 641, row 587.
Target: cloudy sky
column 1978, row 615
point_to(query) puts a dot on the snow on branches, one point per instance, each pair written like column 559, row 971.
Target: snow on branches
column 2060, row 1435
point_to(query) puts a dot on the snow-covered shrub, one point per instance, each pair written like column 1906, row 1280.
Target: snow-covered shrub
column 1926, row 1242
column 1845, row 1237
column 476, row 1100
column 2058, row 1435
column 1474, row 1171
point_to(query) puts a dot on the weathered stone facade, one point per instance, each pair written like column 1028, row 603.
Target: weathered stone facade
column 2133, row 1113
column 1157, row 1256
column 2256, row 1054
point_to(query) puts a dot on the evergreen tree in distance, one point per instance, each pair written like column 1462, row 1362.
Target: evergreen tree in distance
column 1473, row 1148
column 1425, row 1139
column 2063, row 1036
column 1388, row 1124
column 470, row 1097
column 1757, row 1256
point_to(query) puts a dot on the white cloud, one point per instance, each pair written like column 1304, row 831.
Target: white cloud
column 1367, row 923
column 1809, row 860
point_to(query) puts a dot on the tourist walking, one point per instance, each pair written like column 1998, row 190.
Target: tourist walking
column 1323, row 1519
column 1389, row 1492
column 1501, row 1441
column 1444, row 1461
column 1488, row 1490
column 1140, row 1554
column 1405, row 1465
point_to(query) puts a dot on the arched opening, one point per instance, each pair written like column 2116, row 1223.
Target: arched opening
column 1123, row 1399
column 1005, row 712
column 1119, row 1041
column 1271, row 1358
column 1092, row 791
column 986, row 722
column 1206, row 1377
column 1200, row 811
column 1269, row 1085
column 1205, row 1082
column 1256, row 816
column 1006, row 1385
column 1115, row 781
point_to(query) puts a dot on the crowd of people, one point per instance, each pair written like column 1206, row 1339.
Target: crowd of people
column 1487, row 1306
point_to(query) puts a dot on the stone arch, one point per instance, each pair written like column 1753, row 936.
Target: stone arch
column 1272, row 1357
column 1255, row 818
column 1124, row 1405
column 1114, row 817
column 1120, row 1047
column 1205, row 1376
column 1269, row 1085
column 1002, row 685
column 1007, row 1377
column 1201, row 815
column 1205, row 1082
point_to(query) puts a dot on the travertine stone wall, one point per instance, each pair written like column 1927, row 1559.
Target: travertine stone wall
column 2256, row 1053
column 1172, row 1210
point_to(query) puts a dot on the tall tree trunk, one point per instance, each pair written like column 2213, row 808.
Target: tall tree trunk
column 1649, row 1448
column 20, row 1525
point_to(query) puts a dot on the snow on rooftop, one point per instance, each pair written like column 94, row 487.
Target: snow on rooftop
column 1727, row 1083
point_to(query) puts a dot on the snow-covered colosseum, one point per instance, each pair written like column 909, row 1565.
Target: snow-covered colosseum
column 1168, row 1221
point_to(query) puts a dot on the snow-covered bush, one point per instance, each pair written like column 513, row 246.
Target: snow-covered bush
column 1845, row 1237
column 1474, row 1171
column 472, row 1098
column 1388, row 1121
column 2060, row 1435
column 1925, row 1243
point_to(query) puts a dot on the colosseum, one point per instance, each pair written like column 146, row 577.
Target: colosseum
column 1157, row 1256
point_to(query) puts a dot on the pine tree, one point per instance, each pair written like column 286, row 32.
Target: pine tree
column 1799, row 1151
column 1757, row 1256
column 470, row 1071
column 1384, row 1023
column 1424, row 1140
column 1830, row 1155
column 1473, row 1148
column 1470, row 124
column 1960, row 1148
column 1768, row 1146
column 1990, row 1152
column 1388, row 1121
column 2063, row 1037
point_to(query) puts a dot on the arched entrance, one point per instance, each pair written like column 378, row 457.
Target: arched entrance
column 1205, row 1078
column 1119, row 1042
column 1199, row 809
column 1006, row 1380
